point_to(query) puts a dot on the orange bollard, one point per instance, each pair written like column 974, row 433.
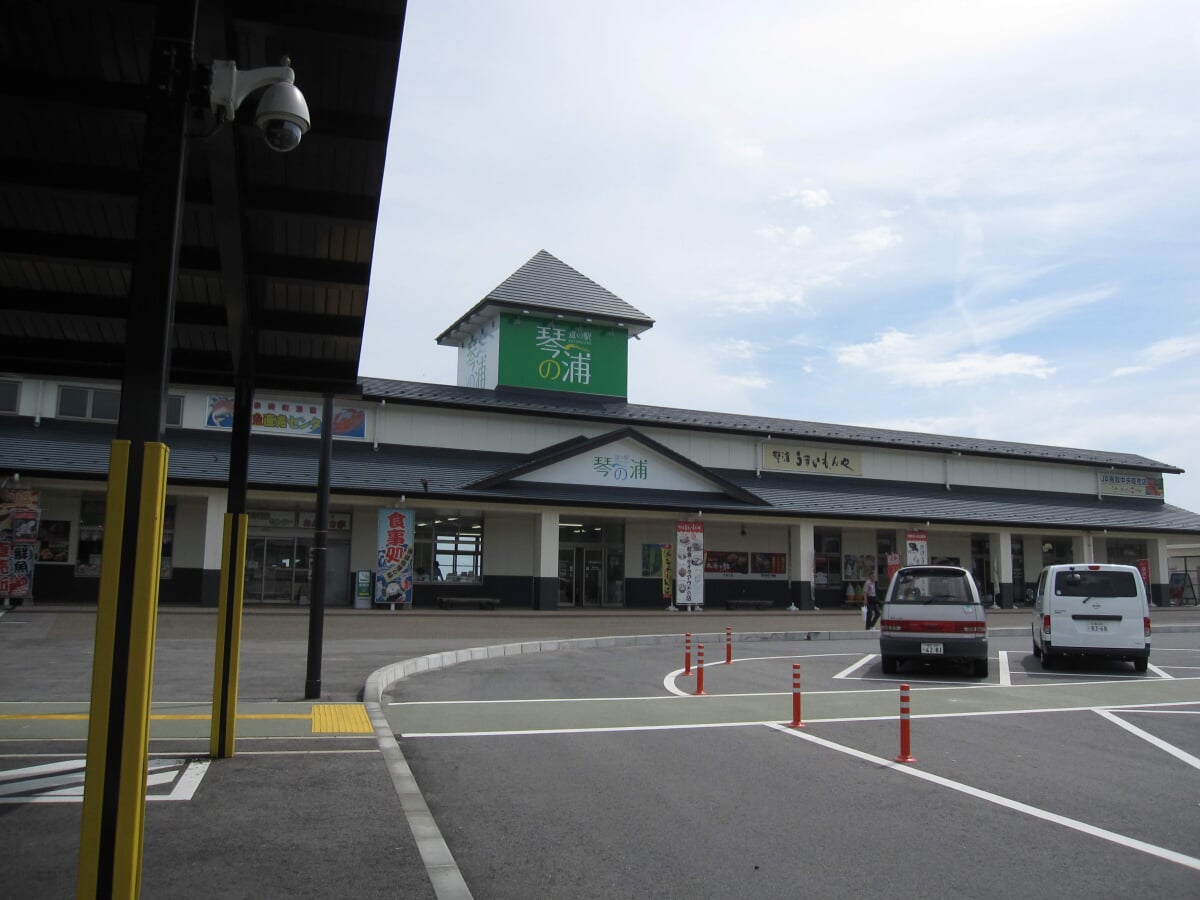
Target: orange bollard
column 687, row 654
column 729, row 645
column 699, row 670
column 796, row 723
column 905, row 748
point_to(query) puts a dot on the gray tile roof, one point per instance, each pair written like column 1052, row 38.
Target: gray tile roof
column 617, row 411
column 547, row 286
column 80, row 450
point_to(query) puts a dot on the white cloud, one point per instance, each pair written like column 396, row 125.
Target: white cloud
column 1168, row 352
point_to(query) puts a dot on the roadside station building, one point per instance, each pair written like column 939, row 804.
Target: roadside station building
column 534, row 483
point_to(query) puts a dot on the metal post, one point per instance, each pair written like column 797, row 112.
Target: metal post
column 316, row 608
column 114, row 798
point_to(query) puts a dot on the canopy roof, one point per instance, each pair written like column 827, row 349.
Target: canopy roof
column 275, row 250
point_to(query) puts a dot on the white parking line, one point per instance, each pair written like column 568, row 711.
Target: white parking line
column 1151, row 739
column 1074, row 824
column 1005, row 672
column 846, row 673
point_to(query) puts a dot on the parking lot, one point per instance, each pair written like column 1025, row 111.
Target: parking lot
column 600, row 772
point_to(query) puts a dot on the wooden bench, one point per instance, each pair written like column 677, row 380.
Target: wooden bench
column 467, row 602
column 744, row 603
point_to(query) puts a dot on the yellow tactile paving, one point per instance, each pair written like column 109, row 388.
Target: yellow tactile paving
column 340, row 718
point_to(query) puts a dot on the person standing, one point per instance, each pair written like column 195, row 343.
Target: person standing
column 872, row 596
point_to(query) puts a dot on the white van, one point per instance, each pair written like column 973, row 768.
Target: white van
column 1090, row 609
column 933, row 613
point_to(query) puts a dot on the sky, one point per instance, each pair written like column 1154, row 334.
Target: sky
column 972, row 219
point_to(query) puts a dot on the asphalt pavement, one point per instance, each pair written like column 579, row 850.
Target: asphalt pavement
column 300, row 811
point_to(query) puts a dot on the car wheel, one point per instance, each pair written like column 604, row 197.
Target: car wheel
column 1047, row 660
column 1141, row 664
column 890, row 665
column 1037, row 651
column 979, row 668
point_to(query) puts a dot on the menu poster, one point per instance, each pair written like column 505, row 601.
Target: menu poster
column 689, row 564
column 917, row 544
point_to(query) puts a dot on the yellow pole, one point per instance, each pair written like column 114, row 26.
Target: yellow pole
column 229, row 636
column 114, row 793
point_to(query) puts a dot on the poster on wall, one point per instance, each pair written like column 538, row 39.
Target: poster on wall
column 893, row 565
column 394, row 572
column 917, row 545
column 19, row 515
column 689, row 564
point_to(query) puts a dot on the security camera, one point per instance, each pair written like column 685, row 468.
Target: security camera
column 282, row 112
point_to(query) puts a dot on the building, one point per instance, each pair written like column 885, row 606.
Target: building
column 534, row 483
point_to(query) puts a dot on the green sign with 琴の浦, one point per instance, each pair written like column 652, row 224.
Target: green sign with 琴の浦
column 563, row 356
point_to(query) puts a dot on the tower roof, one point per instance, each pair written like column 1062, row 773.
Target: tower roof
column 547, row 286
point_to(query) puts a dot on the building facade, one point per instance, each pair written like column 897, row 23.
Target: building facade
column 534, row 483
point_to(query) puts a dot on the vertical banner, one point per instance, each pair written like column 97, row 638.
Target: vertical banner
column 893, row 566
column 19, row 516
column 689, row 564
column 1143, row 566
column 394, row 572
column 667, row 581
column 917, row 543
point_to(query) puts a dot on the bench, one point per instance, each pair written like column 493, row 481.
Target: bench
column 747, row 604
column 467, row 602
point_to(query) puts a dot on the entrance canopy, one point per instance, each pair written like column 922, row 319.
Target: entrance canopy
column 275, row 250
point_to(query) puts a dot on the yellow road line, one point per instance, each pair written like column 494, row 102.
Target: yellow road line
column 326, row 718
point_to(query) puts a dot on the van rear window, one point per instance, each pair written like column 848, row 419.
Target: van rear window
column 1095, row 584
column 931, row 586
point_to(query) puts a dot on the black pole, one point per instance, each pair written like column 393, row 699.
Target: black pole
column 316, row 608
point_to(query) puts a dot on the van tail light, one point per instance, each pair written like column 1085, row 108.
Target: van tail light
column 1146, row 625
column 1045, row 624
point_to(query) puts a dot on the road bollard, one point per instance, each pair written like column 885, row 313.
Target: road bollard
column 796, row 723
column 687, row 654
column 729, row 645
column 699, row 670
column 905, row 738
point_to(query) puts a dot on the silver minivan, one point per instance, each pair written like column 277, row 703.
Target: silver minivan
column 933, row 613
column 1091, row 609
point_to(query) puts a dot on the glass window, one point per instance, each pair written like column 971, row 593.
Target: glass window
column 9, row 391
column 73, row 402
column 106, row 405
column 89, row 403
column 827, row 561
column 1126, row 553
column 448, row 549
column 174, row 412
column 934, row 586
column 90, row 543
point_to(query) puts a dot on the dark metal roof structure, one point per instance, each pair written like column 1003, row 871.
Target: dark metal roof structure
column 577, row 406
column 547, row 286
column 64, row 449
column 275, row 247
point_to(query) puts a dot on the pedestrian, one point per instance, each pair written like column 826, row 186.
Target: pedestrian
column 873, row 610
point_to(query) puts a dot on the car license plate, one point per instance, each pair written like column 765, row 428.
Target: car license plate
column 932, row 648
column 1098, row 626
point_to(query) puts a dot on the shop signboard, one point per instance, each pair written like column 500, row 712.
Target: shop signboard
column 811, row 459
column 292, row 417
column 557, row 355
column 394, row 570
column 1115, row 484
column 689, row 564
